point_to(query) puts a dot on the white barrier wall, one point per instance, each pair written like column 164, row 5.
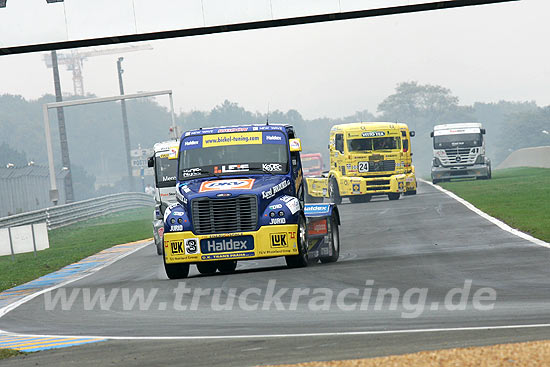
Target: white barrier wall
column 4, row 242
column 22, row 239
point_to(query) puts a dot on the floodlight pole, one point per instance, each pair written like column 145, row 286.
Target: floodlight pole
column 65, row 160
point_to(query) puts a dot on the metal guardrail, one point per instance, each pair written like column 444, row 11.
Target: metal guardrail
column 62, row 215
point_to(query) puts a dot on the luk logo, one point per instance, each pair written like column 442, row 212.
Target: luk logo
column 177, row 247
column 278, row 240
column 242, row 184
column 227, row 244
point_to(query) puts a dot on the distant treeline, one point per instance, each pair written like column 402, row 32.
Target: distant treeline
column 96, row 141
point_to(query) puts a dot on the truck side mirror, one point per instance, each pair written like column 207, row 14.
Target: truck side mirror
column 431, row 134
column 413, row 134
column 150, row 162
column 483, row 131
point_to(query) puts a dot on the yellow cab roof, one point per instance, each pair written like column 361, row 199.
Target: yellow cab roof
column 369, row 126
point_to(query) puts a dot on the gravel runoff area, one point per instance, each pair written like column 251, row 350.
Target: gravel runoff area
column 532, row 354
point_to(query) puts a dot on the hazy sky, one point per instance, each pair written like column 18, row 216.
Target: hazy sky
column 485, row 53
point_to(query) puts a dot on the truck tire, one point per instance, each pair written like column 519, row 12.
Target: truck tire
column 300, row 260
column 227, row 266
column 394, row 195
column 335, row 242
column 435, row 182
column 334, row 192
column 175, row 271
column 207, row 267
column 412, row 192
column 158, row 245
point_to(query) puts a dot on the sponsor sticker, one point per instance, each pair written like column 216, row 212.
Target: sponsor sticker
column 227, row 244
column 227, row 256
column 272, row 167
column 277, row 221
column 314, row 209
column 276, row 206
column 230, row 184
column 191, row 172
column 217, row 140
column 356, row 187
column 176, row 228
column 275, row 189
column 293, row 205
column 368, row 134
column 318, row 227
column 279, row 240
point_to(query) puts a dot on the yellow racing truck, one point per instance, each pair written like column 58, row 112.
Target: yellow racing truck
column 366, row 159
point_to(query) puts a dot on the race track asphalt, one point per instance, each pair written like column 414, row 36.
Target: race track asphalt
column 410, row 255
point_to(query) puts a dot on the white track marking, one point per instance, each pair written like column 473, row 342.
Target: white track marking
column 14, row 305
column 493, row 220
column 297, row 335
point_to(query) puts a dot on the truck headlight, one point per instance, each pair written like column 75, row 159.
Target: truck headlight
column 436, row 162
column 480, row 159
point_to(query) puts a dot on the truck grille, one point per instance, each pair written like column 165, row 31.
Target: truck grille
column 382, row 166
column 238, row 214
column 459, row 156
column 378, row 182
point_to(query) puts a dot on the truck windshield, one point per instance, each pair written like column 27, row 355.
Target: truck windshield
column 458, row 141
column 230, row 159
column 371, row 144
column 311, row 163
column 165, row 170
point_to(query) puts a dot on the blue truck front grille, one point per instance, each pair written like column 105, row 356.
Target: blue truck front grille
column 224, row 215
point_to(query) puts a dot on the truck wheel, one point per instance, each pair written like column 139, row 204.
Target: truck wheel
column 159, row 247
column 334, row 192
column 412, row 192
column 207, row 267
column 335, row 242
column 435, row 182
column 394, row 195
column 176, row 271
column 227, row 266
column 300, row 260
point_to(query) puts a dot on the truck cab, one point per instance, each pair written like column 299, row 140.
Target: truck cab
column 459, row 152
column 313, row 164
column 165, row 164
column 240, row 196
column 366, row 160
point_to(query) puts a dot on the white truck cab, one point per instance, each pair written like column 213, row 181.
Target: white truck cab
column 165, row 164
column 459, row 152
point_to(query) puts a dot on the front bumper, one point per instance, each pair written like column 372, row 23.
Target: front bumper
column 446, row 173
column 268, row 241
column 373, row 185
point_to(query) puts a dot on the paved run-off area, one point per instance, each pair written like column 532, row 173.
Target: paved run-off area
column 428, row 241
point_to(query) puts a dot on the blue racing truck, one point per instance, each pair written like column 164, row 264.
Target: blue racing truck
column 240, row 196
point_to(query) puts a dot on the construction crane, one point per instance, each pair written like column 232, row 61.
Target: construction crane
column 75, row 61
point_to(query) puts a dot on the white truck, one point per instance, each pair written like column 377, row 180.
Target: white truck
column 459, row 152
column 165, row 163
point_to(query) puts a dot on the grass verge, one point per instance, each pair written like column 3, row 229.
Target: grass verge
column 7, row 353
column 75, row 242
column 520, row 197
